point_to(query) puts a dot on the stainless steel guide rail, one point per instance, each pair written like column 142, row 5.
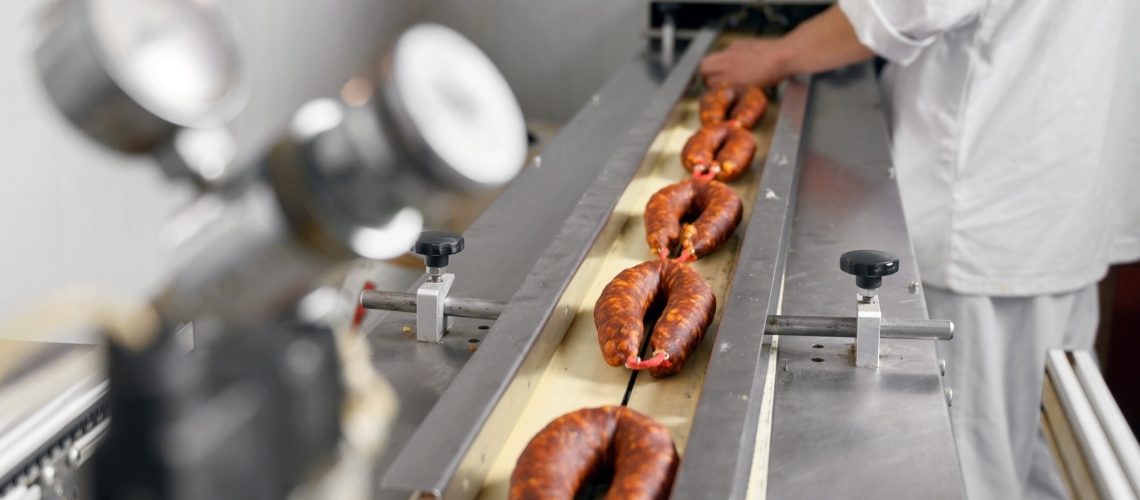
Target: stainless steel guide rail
column 828, row 187
column 839, row 431
column 505, row 242
column 451, row 450
column 718, row 457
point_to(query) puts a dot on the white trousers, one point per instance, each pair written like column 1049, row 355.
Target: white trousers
column 996, row 367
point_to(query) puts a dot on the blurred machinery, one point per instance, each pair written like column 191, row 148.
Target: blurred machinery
column 231, row 383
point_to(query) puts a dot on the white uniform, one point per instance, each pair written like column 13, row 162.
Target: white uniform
column 1016, row 139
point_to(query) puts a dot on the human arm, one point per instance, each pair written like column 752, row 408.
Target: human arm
column 849, row 32
column 824, row 42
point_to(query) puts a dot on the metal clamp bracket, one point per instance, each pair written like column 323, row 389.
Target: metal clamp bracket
column 868, row 325
column 868, row 330
column 430, row 320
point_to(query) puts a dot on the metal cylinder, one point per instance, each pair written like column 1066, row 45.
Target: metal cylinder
column 668, row 41
column 130, row 74
column 452, row 306
column 827, row 326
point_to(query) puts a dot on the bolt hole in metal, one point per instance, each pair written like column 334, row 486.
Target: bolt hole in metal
column 817, row 346
column 473, row 341
column 817, row 360
column 484, row 327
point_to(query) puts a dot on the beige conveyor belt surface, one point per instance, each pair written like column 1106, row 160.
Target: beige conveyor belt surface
column 577, row 377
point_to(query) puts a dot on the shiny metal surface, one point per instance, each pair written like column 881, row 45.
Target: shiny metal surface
column 868, row 327
column 345, row 183
column 834, row 326
column 1111, row 419
column 840, row 432
column 718, row 458
column 452, row 306
column 452, row 109
column 47, row 433
column 506, row 241
column 430, row 321
column 1107, row 473
column 451, row 450
column 129, row 74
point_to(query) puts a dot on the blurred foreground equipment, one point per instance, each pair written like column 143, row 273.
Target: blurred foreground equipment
column 231, row 383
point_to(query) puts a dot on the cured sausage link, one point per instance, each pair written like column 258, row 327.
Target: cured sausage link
column 558, row 460
column 620, row 310
column 687, row 315
column 735, row 155
column 699, row 152
column 750, row 108
column 721, row 210
column 646, row 460
column 663, row 216
column 717, row 208
column 715, row 103
column 561, row 456
column 619, row 315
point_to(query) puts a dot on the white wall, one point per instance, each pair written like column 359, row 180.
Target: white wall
column 555, row 53
column 73, row 214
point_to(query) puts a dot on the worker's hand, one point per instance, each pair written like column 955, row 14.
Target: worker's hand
column 754, row 61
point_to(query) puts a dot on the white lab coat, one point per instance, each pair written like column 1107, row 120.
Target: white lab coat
column 1012, row 137
column 1016, row 142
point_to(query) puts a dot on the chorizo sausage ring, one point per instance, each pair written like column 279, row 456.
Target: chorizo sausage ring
column 723, row 152
column 719, row 209
column 715, row 103
column 699, row 152
column 619, row 315
column 742, row 107
column 558, row 460
column 750, row 107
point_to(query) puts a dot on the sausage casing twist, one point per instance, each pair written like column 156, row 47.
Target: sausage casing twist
column 717, row 208
column 619, row 314
column 558, row 460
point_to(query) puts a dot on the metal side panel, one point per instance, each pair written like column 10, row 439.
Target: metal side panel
column 452, row 447
column 840, row 431
column 506, row 241
column 718, row 458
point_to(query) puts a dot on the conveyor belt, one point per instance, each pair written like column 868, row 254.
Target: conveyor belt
column 576, row 376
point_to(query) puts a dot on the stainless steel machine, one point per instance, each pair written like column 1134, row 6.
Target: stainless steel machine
column 791, row 400
column 806, row 386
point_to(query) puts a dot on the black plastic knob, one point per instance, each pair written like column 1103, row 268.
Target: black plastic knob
column 437, row 246
column 868, row 266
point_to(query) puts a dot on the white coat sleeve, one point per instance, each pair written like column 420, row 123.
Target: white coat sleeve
column 898, row 30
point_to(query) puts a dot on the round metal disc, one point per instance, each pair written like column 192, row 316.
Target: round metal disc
column 455, row 107
column 177, row 58
column 131, row 72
